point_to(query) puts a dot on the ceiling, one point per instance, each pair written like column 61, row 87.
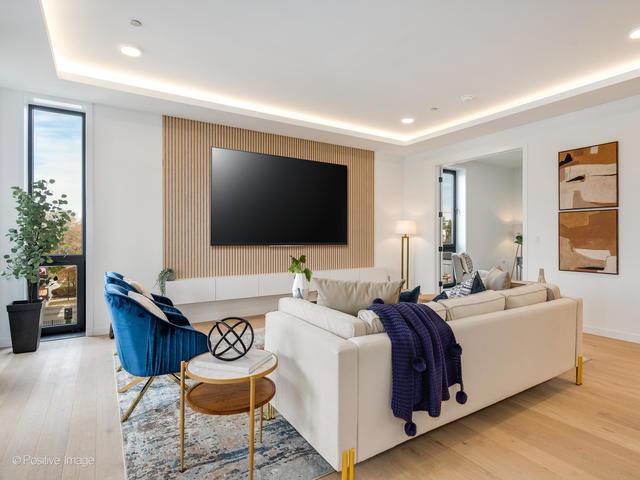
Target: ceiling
column 346, row 72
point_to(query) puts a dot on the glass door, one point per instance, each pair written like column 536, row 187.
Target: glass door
column 56, row 148
column 448, row 226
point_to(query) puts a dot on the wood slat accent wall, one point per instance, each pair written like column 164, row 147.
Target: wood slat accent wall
column 187, row 169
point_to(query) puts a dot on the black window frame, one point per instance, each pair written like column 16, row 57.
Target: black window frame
column 451, row 247
column 77, row 260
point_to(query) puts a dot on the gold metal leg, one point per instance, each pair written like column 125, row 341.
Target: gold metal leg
column 269, row 412
column 119, row 368
column 252, row 406
column 135, row 402
column 261, row 416
column 579, row 371
column 182, row 386
column 348, row 464
column 131, row 384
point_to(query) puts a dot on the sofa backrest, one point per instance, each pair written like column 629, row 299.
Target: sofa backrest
column 334, row 321
column 524, row 296
column 472, row 305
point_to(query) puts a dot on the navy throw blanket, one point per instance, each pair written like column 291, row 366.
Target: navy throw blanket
column 425, row 360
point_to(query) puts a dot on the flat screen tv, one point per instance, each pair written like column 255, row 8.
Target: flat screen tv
column 259, row 199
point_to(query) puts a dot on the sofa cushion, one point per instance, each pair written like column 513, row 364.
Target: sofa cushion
column 524, row 296
column 371, row 318
column 438, row 308
column 375, row 325
column 472, row 305
column 351, row 297
column 334, row 321
column 497, row 279
column 553, row 291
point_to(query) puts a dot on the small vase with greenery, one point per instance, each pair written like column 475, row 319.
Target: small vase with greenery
column 300, row 288
column 41, row 223
column 165, row 275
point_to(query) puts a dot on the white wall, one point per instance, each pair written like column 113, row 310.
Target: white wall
column 611, row 302
column 124, row 206
column 127, row 202
column 388, row 210
column 12, row 173
column 492, row 213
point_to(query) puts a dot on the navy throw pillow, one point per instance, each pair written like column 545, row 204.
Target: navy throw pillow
column 478, row 284
column 410, row 296
column 441, row 296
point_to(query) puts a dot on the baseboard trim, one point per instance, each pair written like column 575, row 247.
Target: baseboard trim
column 608, row 332
column 5, row 342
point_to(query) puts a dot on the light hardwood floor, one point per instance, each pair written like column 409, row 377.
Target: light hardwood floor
column 61, row 402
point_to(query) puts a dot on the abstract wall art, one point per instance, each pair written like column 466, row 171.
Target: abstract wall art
column 589, row 241
column 589, row 177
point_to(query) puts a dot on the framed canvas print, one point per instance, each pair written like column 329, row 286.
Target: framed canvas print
column 589, row 241
column 588, row 177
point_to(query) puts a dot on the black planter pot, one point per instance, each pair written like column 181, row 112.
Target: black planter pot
column 25, row 322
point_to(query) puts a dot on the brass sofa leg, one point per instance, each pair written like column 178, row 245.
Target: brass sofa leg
column 348, row 464
column 579, row 371
column 269, row 412
column 135, row 402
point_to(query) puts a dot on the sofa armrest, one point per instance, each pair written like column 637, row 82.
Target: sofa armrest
column 316, row 383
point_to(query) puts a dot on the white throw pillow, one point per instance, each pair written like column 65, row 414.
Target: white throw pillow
column 148, row 304
column 497, row 279
column 351, row 297
column 138, row 287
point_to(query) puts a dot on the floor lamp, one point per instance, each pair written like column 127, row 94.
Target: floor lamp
column 405, row 228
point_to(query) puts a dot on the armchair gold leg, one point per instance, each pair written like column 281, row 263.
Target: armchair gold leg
column 131, row 384
column 348, row 464
column 579, row 371
column 135, row 402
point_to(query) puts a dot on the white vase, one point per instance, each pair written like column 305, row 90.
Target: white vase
column 300, row 288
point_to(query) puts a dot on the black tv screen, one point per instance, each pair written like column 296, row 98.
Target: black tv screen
column 259, row 199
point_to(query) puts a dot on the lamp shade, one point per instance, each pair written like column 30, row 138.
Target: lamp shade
column 406, row 227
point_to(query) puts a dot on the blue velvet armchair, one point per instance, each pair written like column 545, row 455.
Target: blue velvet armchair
column 149, row 346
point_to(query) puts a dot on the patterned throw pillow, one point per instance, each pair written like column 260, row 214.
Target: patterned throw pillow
column 467, row 262
column 471, row 285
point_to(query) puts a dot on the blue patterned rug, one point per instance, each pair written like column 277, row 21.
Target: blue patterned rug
column 216, row 447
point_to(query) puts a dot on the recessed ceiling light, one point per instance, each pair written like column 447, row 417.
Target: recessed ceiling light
column 130, row 51
column 407, row 121
column 635, row 34
column 434, row 109
column 467, row 97
column 135, row 22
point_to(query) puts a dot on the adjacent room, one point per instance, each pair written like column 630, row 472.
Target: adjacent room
column 319, row 240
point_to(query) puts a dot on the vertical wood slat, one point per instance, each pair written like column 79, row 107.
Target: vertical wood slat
column 186, row 180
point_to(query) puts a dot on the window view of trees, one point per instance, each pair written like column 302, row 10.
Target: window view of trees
column 57, row 152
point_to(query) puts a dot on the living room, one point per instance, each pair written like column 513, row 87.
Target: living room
column 265, row 179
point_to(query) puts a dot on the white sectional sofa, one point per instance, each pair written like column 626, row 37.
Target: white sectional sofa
column 334, row 376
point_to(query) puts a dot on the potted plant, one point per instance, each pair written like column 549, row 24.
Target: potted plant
column 300, row 288
column 40, row 227
column 165, row 275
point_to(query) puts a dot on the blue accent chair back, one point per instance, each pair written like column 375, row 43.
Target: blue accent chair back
column 118, row 279
column 149, row 346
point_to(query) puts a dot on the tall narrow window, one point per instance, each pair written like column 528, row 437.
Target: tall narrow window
column 448, row 208
column 57, row 151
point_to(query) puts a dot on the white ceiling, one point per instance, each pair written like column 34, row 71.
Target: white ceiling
column 333, row 70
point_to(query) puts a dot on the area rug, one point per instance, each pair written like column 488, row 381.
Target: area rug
column 216, row 447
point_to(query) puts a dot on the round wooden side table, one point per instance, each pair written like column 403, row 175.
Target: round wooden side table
column 221, row 391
